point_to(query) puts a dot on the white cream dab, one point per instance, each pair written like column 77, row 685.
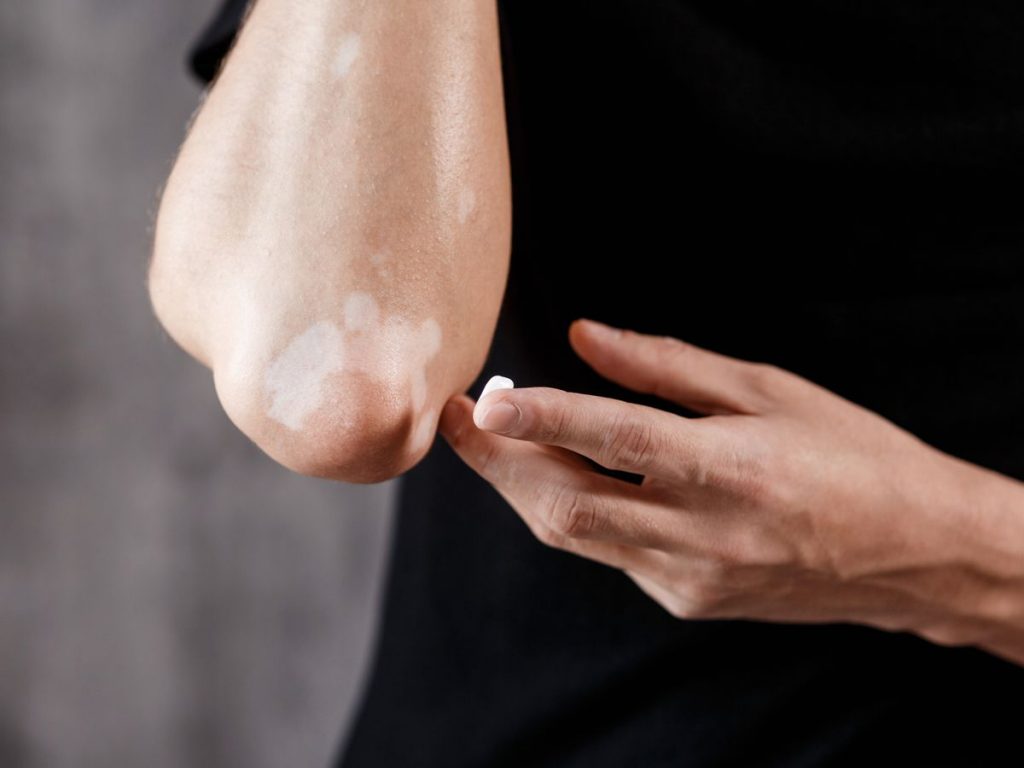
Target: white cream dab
column 467, row 204
column 496, row 382
column 347, row 54
column 295, row 379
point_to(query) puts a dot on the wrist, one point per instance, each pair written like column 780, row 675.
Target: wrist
column 983, row 586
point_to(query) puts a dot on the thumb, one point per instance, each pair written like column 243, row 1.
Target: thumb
column 691, row 376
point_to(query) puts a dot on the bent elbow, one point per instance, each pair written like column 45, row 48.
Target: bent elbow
column 341, row 425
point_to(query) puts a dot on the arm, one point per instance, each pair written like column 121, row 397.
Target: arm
column 334, row 237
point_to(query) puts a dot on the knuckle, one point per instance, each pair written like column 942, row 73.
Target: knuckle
column 1002, row 609
column 943, row 636
column 547, row 417
column 683, row 606
column 571, row 512
column 631, row 441
column 706, row 588
column 547, row 536
column 744, row 474
column 560, row 418
column 669, row 350
column 698, row 601
column 668, row 353
column 769, row 383
column 765, row 379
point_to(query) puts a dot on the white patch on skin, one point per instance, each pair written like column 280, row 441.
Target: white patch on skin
column 346, row 56
column 427, row 345
column 381, row 263
column 384, row 348
column 361, row 312
column 467, row 204
column 294, row 381
column 396, row 343
column 423, row 432
column 430, row 337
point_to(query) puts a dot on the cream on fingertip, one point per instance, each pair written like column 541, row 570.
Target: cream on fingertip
column 496, row 382
column 495, row 417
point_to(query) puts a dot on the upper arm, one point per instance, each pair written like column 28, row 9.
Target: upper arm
column 334, row 238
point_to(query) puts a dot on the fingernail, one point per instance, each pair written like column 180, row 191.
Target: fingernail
column 601, row 331
column 498, row 417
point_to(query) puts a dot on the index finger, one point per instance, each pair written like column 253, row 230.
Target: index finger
column 615, row 434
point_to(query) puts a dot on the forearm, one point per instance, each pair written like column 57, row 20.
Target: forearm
column 341, row 206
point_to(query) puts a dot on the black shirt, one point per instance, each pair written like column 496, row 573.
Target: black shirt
column 839, row 186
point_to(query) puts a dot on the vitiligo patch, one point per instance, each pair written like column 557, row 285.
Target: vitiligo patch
column 346, row 56
column 467, row 204
column 382, row 347
column 295, row 379
column 361, row 312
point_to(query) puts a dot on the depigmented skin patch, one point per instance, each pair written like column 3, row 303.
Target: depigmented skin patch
column 381, row 347
column 346, row 56
column 381, row 264
column 362, row 312
column 430, row 337
column 423, row 431
column 295, row 380
column 467, row 204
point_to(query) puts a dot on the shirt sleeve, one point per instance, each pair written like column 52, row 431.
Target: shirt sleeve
column 208, row 50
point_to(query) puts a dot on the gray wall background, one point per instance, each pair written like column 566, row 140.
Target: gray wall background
column 168, row 596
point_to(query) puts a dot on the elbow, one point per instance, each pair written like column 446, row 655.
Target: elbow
column 329, row 370
column 337, row 424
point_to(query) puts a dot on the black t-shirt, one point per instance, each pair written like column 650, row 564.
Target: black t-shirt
column 839, row 186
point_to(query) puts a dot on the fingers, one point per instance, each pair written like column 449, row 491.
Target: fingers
column 695, row 378
column 555, row 493
column 615, row 434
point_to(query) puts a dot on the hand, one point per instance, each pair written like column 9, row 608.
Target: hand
column 784, row 502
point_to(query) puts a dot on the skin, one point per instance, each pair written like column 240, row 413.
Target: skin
column 783, row 502
column 354, row 147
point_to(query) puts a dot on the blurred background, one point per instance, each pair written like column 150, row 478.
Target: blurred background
column 168, row 595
